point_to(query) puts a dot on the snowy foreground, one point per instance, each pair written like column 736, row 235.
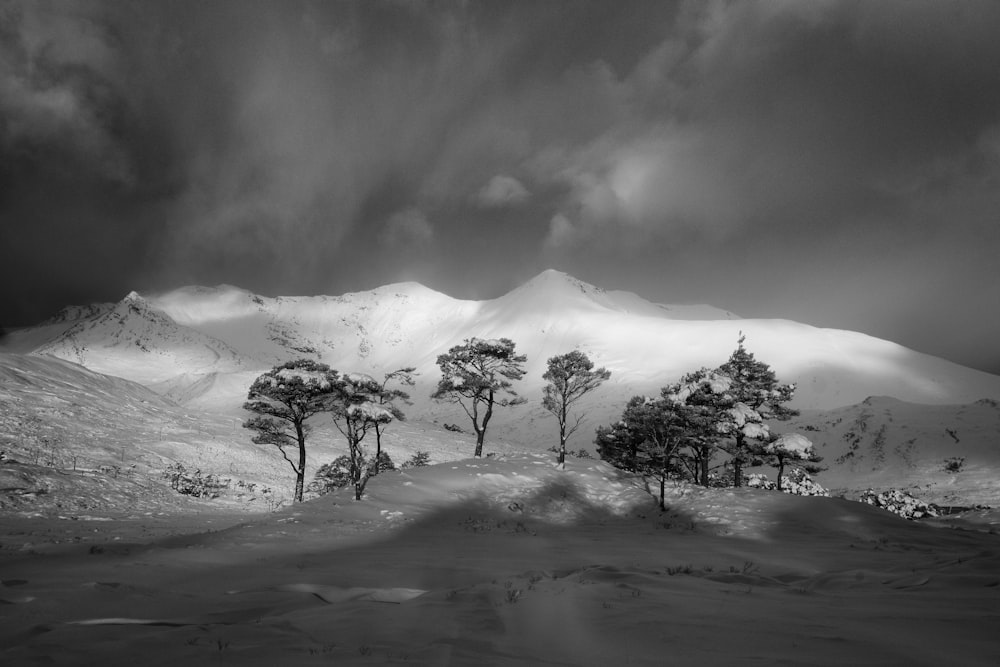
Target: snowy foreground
column 505, row 562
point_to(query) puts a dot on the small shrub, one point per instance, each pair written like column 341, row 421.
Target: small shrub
column 337, row 473
column 418, row 460
column 194, row 484
column 382, row 463
column 511, row 594
column 580, row 453
column 332, row 476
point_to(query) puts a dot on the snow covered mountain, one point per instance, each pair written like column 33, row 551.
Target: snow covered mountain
column 204, row 345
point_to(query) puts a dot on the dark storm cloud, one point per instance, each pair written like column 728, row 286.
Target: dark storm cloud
column 742, row 154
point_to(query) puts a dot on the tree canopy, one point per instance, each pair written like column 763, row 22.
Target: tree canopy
column 478, row 375
column 790, row 447
column 358, row 404
column 570, row 377
column 675, row 435
column 755, row 386
column 282, row 400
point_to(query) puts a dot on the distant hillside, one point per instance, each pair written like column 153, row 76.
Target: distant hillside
column 883, row 442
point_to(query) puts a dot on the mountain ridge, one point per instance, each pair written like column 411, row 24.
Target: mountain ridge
column 203, row 342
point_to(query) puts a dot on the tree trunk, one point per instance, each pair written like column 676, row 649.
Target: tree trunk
column 663, row 480
column 562, row 445
column 781, row 470
column 663, row 490
column 481, row 430
column 360, row 484
column 738, row 460
column 300, row 472
column 480, row 436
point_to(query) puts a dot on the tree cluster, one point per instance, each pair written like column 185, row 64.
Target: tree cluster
column 285, row 398
column 677, row 434
column 477, row 375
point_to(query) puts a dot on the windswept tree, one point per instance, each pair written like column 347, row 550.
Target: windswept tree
column 356, row 404
column 282, row 400
column 570, row 377
column 389, row 396
column 756, row 386
column 478, row 375
column 791, row 448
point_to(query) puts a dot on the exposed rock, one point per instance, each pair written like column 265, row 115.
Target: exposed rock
column 901, row 503
column 797, row 482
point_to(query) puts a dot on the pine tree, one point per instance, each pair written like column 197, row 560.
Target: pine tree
column 357, row 406
column 791, row 447
column 703, row 400
column 756, row 386
column 388, row 396
column 283, row 399
column 645, row 440
column 570, row 377
column 475, row 375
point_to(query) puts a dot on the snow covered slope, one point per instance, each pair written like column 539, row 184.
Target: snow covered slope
column 504, row 562
column 884, row 442
column 58, row 419
column 204, row 345
column 58, row 414
column 137, row 341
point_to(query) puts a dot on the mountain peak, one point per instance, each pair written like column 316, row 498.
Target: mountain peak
column 556, row 282
column 556, row 279
column 552, row 289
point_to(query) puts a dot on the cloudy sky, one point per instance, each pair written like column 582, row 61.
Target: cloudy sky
column 836, row 163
